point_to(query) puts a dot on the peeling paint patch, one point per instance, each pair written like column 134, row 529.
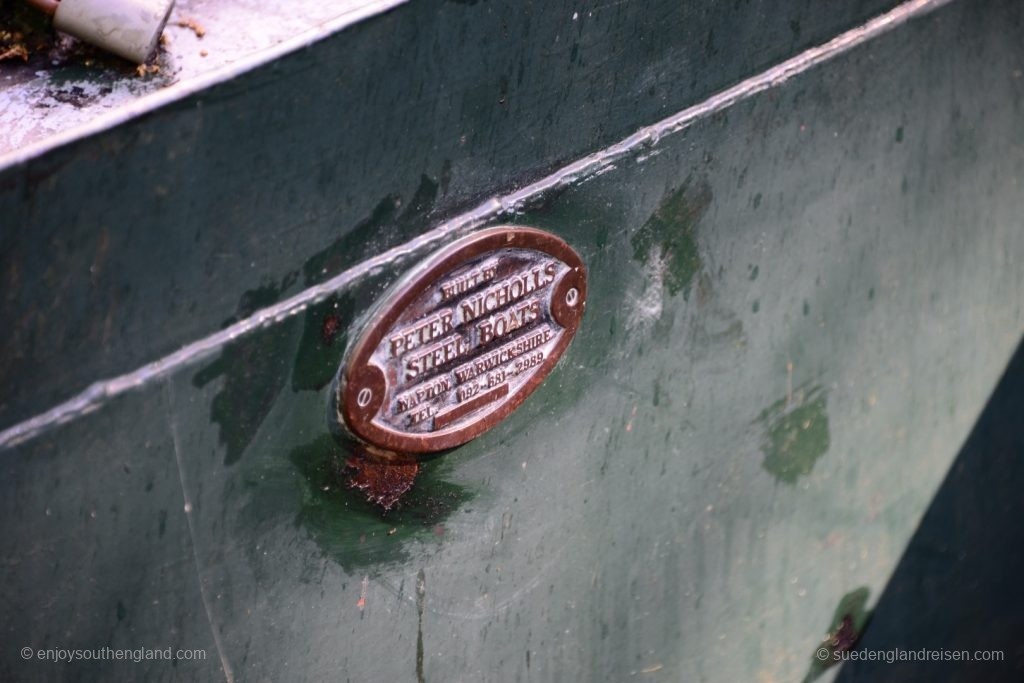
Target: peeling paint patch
column 796, row 433
column 253, row 373
column 353, row 530
column 670, row 235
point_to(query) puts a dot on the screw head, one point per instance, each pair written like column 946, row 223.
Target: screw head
column 572, row 296
column 364, row 397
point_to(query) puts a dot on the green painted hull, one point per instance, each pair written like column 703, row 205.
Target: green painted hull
column 799, row 305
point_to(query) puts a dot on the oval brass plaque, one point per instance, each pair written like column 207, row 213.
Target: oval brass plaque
column 462, row 340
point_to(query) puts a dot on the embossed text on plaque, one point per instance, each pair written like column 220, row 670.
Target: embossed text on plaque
column 461, row 341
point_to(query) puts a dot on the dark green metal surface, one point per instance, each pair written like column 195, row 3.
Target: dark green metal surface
column 798, row 307
column 144, row 237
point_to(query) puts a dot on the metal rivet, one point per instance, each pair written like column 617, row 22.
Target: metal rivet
column 364, row 397
column 572, row 296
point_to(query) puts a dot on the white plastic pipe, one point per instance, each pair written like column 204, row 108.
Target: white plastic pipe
column 128, row 28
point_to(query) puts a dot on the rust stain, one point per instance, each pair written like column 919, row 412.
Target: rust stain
column 147, row 70
column 382, row 477
column 193, row 26
column 330, row 328
column 15, row 51
column 844, row 637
